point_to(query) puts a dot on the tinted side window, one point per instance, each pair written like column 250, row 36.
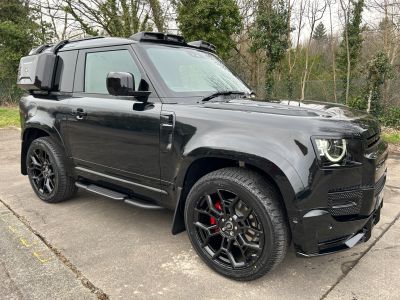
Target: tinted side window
column 99, row 64
column 65, row 72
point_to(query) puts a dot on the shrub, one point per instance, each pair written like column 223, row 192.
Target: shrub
column 391, row 117
column 358, row 103
column 9, row 92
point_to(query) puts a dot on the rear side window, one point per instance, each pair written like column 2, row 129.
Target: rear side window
column 64, row 79
column 99, row 64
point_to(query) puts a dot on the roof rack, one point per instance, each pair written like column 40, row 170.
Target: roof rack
column 158, row 37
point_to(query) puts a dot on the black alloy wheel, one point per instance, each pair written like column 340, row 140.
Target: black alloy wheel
column 41, row 171
column 228, row 229
column 46, row 167
column 236, row 223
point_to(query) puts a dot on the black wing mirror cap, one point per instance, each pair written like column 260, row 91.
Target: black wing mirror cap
column 123, row 84
column 120, row 83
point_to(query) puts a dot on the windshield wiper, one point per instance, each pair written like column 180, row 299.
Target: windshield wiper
column 224, row 93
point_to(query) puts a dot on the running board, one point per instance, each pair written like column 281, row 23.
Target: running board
column 142, row 204
column 116, row 196
column 101, row 191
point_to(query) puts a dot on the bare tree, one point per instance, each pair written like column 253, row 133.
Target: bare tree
column 329, row 2
column 54, row 20
column 346, row 14
column 300, row 25
column 388, row 33
column 315, row 12
column 117, row 17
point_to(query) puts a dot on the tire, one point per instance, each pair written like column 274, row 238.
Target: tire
column 46, row 165
column 249, row 223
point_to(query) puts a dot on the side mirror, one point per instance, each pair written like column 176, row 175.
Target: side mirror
column 120, row 84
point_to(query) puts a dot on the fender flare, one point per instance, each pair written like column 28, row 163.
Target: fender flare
column 49, row 130
column 278, row 168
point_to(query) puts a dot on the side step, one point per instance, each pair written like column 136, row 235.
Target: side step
column 101, row 191
column 116, row 196
column 142, row 204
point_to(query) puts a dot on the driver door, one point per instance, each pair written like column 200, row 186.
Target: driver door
column 111, row 139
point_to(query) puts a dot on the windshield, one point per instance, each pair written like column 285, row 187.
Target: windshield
column 186, row 70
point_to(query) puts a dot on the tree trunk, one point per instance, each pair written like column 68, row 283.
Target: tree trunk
column 333, row 55
column 348, row 54
column 157, row 14
column 369, row 100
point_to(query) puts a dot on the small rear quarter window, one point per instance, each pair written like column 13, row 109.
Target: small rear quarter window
column 65, row 72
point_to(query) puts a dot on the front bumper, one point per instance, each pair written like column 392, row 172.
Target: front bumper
column 332, row 218
column 336, row 236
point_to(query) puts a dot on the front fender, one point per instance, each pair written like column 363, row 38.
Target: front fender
column 278, row 168
column 273, row 164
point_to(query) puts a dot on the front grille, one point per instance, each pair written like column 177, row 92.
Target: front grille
column 373, row 139
column 379, row 185
column 344, row 203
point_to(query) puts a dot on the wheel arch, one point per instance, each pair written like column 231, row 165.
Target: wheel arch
column 287, row 183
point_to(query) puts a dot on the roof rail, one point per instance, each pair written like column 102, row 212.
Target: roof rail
column 60, row 44
column 87, row 38
column 39, row 49
column 158, row 37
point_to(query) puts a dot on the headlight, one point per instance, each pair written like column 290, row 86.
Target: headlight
column 331, row 150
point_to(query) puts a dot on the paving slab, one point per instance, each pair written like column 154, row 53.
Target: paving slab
column 128, row 252
column 377, row 274
column 29, row 269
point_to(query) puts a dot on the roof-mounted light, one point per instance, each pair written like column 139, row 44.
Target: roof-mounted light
column 158, row 37
column 203, row 45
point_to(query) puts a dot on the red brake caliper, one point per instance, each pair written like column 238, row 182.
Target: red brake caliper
column 218, row 206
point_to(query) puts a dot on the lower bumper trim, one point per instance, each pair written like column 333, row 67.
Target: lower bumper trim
column 345, row 242
column 350, row 243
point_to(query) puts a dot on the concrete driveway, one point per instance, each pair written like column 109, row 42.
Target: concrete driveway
column 94, row 247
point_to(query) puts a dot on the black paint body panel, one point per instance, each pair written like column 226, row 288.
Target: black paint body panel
column 147, row 149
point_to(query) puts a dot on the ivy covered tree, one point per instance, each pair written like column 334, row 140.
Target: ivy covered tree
column 348, row 57
column 269, row 35
column 215, row 21
column 18, row 35
column 320, row 33
column 379, row 70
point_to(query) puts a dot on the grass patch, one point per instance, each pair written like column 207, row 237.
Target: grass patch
column 9, row 116
column 392, row 137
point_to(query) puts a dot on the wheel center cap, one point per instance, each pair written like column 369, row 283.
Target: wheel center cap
column 228, row 225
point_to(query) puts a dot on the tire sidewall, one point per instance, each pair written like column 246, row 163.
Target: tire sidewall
column 204, row 187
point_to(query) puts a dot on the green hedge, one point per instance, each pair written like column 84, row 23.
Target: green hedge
column 9, row 92
column 391, row 117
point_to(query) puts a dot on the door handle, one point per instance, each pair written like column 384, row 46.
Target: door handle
column 80, row 113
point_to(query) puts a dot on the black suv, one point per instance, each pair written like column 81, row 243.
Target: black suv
column 155, row 122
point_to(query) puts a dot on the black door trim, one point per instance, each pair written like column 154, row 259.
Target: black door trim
column 121, row 180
